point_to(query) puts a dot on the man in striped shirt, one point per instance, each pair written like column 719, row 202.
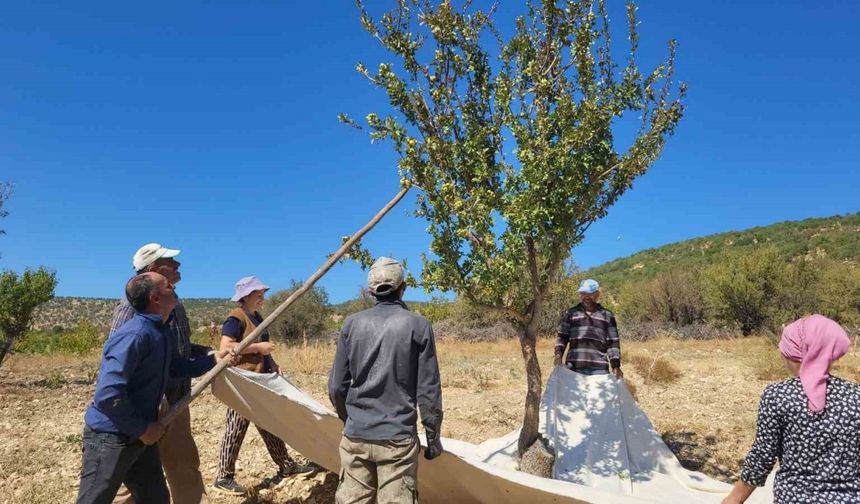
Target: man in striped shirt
column 592, row 333
column 178, row 451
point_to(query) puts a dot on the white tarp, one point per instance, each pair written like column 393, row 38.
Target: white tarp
column 607, row 449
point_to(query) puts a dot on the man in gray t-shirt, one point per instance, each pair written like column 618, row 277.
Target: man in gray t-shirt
column 385, row 367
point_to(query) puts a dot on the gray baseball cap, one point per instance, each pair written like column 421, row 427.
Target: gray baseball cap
column 385, row 276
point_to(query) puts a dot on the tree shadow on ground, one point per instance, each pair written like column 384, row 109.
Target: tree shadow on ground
column 697, row 453
column 321, row 493
column 317, row 492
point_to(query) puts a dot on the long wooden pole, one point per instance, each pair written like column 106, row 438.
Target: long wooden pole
column 208, row 377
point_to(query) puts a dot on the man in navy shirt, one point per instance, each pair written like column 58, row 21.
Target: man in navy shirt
column 121, row 425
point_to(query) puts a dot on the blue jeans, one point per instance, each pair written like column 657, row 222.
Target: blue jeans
column 112, row 459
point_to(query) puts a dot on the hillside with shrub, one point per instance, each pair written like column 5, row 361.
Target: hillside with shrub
column 747, row 282
column 67, row 312
column 836, row 238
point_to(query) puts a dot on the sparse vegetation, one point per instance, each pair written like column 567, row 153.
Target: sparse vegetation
column 835, row 238
column 85, row 338
column 707, row 415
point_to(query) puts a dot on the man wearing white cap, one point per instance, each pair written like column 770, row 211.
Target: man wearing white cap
column 385, row 366
column 178, row 451
column 592, row 333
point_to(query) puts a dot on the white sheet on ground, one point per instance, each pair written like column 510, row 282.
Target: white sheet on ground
column 607, row 449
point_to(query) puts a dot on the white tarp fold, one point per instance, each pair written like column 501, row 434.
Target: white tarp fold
column 607, row 449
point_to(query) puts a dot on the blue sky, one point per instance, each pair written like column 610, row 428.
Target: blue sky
column 211, row 127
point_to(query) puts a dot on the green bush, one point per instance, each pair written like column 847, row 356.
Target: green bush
column 362, row 301
column 839, row 292
column 81, row 340
column 465, row 314
column 672, row 297
column 798, row 293
column 436, row 310
column 633, row 301
column 745, row 289
column 309, row 317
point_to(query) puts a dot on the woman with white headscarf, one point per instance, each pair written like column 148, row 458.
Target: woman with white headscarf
column 811, row 423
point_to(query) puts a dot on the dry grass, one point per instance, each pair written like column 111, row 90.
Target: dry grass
column 655, row 369
column 706, row 414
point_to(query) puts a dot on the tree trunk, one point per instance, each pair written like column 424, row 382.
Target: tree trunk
column 5, row 348
column 531, row 419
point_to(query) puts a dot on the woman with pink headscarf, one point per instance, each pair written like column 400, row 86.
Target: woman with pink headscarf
column 811, row 423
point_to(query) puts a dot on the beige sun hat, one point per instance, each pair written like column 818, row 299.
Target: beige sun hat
column 385, row 276
column 247, row 285
column 150, row 253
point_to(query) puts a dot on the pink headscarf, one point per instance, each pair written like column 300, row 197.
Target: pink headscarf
column 814, row 341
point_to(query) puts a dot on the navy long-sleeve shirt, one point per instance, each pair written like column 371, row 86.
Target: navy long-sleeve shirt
column 385, row 366
column 137, row 361
column 180, row 330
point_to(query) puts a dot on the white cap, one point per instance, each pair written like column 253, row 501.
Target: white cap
column 150, row 253
column 588, row 286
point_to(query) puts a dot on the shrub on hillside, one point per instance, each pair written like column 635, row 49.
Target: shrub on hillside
column 309, row 317
column 745, row 289
column 633, row 302
column 839, row 292
column 466, row 315
column 81, row 340
column 362, row 301
column 452, row 329
column 798, row 292
column 672, row 297
column 436, row 310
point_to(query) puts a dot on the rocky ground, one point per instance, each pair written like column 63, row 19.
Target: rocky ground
column 707, row 415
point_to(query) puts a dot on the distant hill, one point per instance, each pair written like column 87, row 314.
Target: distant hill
column 835, row 237
column 67, row 312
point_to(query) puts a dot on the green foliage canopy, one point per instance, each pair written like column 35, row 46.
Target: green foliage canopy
column 502, row 227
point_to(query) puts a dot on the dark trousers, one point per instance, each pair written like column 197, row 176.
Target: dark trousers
column 112, row 459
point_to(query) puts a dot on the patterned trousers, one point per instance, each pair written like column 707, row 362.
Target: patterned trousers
column 237, row 427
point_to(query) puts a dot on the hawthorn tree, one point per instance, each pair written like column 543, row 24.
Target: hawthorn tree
column 19, row 297
column 510, row 143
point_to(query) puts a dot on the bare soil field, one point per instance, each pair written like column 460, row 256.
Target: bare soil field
column 705, row 410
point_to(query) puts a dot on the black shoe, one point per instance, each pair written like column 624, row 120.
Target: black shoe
column 298, row 469
column 229, row 486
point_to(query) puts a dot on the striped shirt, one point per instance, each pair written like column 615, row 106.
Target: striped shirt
column 593, row 338
column 180, row 330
